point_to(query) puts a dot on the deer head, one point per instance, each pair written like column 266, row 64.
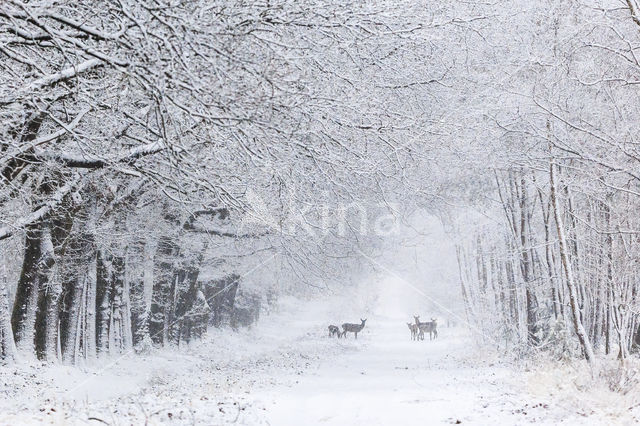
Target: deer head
column 434, row 320
column 363, row 321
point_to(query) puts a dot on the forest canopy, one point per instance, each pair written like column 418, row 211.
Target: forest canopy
column 150, row 152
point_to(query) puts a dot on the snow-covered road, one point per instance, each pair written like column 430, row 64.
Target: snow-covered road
column 388, row 379
column 286, row 371
column 384, row 378
column 391, row 378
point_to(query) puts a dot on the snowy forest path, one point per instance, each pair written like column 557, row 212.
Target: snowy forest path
column 390, row 379
column 287, row 371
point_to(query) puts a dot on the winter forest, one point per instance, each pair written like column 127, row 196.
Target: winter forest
column 192, row 193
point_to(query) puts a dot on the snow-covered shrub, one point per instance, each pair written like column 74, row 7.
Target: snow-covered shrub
column 557, row 340
column 246, row 310
column 145, row 346
column 620, row 377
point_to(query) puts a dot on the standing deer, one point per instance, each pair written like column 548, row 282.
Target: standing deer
column 354, row 328
column 414, row 330
column 434, row 327
column 333, row 329
column 427, row 327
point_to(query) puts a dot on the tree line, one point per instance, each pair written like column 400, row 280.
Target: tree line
column 136, row 138
column 555, row 269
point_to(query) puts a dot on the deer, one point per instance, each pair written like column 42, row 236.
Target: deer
column 414, row 330
column 354, row 328
column 429, row 327
column 434, row 326
column 334, row 330
column 433, row 329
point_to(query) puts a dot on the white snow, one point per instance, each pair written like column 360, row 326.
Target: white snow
column 286, row 371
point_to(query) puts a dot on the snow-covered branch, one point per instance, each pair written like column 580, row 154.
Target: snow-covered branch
column 43, row 210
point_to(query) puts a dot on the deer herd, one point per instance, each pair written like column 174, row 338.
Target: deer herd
column 417, row 328
column 347, row 326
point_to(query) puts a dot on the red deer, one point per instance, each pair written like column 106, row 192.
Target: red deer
column 427, row 327
column 334, row 330
column 414, row 330
column 354, row 328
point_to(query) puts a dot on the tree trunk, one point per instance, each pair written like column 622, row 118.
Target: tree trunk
column 103, row 301
column 90, row 340
column 48, row 300
column 7, row 344
column 72, row 324
column 566, row 262
column 526, row 267
column 127, row 332
column 23, row 318
column 143, row 334
column 117, row 317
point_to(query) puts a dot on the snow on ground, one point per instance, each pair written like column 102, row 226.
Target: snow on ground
column 286, row 371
